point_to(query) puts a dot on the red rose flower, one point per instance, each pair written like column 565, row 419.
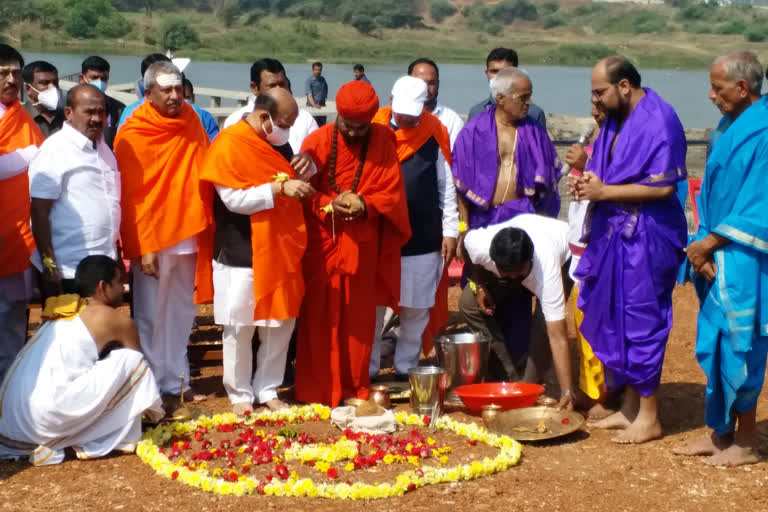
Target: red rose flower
column 174, row 475
column 332, row 473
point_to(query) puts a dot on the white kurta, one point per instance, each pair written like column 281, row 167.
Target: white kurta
column 233, row 307
column 58, row 394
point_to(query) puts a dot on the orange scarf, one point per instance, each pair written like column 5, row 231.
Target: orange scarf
column 410, row 140
column 159, row 160
column 17, row 130
column 240, row 159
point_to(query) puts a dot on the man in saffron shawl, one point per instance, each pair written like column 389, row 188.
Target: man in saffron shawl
column 20, row 139
column 259, row 240
column 357, row 222
column 504, row 164
column 424, row 152
column 730, row 257
column 635, row 233
column 159, row 151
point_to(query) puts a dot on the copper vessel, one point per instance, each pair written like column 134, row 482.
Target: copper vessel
column 380, row 396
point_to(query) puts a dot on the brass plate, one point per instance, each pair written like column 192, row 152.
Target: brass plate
column 521, row 424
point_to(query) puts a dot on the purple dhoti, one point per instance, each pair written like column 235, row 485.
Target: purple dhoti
column 629, row 267
column 476, row 169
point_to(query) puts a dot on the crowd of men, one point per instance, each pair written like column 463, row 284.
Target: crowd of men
column 290, row 226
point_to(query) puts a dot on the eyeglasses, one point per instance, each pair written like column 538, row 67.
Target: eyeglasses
column 6, row 71
column 524, row 98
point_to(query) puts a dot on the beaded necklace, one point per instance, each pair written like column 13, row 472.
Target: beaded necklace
column 332, row 162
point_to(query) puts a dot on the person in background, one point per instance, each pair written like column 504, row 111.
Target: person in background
column 593, row 393
column 20, row 139
column 427, row 70
column 359, row 72
column 498, row 59
column 44, row 100
column 189, row 91
column 95, row 71
column 209, row 122
column 424, row 153
column 316, row 89
column 266, row 74
column 730, row 258
column 635, row 238
column 165, row 209
column 75, row 189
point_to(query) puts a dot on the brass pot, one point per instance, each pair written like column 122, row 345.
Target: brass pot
column 380, row 396
column 489, row 414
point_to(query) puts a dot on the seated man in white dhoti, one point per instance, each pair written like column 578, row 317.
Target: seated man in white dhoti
column 81, row 382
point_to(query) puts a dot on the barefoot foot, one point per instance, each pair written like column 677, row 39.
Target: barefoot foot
column 617, row 420
column 276, row 404
column 241, row 408
column 639, row 432
column 734, row 455
column 191, row 395
column 708, row 445
column 599, row 411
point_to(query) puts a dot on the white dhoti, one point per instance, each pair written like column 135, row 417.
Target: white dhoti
column 58, row 394
column 164, row 311
column 233, row 307
column 419, row 277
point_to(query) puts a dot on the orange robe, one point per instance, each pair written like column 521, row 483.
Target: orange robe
column 408, row 142
column 163, row 201
column 17, row 130
column 239, row 159
column 349, row 266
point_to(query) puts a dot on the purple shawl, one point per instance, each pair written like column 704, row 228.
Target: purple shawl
column 476, row 168
column 634, row 250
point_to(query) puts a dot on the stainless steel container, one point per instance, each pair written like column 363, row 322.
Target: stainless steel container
column 464, row 356
column 428, row 385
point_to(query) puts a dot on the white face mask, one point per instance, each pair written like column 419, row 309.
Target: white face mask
column 48, row 98
column 278, row 136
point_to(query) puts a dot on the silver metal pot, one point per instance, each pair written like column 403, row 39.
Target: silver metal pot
column 464, row 356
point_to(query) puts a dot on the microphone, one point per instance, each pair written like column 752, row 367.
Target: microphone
column 584, row 137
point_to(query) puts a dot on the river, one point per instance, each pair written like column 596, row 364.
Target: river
column 560, row 90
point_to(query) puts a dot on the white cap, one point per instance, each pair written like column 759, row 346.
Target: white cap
column 408, row 96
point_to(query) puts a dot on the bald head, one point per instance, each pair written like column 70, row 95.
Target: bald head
column 274, row 112
column 86, row 110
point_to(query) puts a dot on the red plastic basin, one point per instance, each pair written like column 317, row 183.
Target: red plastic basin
column 508, row 395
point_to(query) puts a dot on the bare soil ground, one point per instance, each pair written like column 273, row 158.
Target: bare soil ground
column 585, row 471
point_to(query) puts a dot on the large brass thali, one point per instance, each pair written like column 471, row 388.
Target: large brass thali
column 536, row 423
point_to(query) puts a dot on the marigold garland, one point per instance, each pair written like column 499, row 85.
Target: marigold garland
column 230, row 482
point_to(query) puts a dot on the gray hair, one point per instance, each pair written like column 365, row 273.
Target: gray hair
column 162, row 67
column 507, row 78
column 742, row 66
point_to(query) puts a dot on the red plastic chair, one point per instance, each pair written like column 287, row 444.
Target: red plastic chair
column 694, row 188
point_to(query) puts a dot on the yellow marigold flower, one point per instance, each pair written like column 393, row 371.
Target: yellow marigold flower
column 430, row 441
column 444, row 460
column 388, row 458
column 349, row 467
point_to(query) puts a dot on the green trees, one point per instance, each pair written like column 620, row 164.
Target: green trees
column 441, row 9
column 91, row 18
column 177, row 33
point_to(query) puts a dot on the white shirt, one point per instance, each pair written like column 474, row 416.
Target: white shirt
column 550, row 252
column 450, row 119
column 577, row 212
column 84, row 184
column 303, row 126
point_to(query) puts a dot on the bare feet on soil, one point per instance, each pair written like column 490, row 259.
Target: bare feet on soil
column 734, row 455
column 639, row 431
column 708, row 445
column 241, row 408
column 599, row 411
column 617, row 420
column 276, row 404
